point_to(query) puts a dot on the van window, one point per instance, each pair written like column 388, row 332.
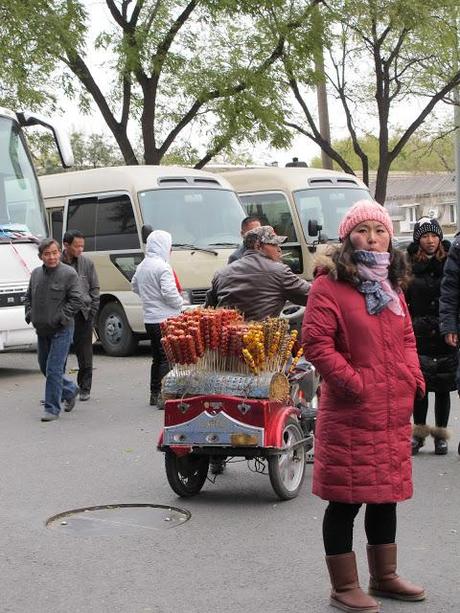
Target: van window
column 81, row 215
column 273, row 210
column 201, row 217
column 107, row 222
column 327, row 206
column 127, row 263
column 115, row 224
column 56, row 224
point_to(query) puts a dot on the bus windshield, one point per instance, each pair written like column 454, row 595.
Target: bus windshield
column 21, row 210
column 327, row 206
column 194, row 217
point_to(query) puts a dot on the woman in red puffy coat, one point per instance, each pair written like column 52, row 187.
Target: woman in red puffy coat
column 358, row 334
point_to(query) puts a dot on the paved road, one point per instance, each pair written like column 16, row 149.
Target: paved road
column 242, row 550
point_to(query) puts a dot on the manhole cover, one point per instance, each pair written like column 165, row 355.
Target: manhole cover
column 112, row 519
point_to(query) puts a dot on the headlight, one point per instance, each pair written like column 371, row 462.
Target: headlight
column 243, row 440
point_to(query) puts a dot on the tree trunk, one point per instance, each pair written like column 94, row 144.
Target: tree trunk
column 125, row 147
column 380, row 192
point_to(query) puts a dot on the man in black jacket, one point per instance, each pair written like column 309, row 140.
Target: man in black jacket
column 52, row 300
column 74, row 243
column 449, row 302
column 248, row 223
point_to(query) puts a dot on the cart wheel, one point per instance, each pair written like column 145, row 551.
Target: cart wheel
column 186, row 474
column 287, row 470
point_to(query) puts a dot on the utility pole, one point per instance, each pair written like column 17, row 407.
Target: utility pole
column 323, row 111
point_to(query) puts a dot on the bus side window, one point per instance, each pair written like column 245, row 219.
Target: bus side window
column 81, row 215
column 115, row 224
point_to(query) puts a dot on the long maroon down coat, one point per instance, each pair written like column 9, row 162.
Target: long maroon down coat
column 370, row 375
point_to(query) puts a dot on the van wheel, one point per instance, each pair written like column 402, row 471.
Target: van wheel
column 114, row 332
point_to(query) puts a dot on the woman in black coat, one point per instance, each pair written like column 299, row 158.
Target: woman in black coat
column 438, row 361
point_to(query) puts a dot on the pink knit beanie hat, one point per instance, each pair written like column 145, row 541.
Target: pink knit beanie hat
column 364, row 210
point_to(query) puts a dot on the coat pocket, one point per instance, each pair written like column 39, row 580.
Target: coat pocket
column 56, row 293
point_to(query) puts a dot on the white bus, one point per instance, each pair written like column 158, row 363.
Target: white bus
column 22, row 222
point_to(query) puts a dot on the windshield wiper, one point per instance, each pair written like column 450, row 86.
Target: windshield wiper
column 194, row 248
column 224, row 244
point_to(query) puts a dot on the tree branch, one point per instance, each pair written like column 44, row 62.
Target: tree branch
column 153, row 14
column 126, row 102
column 340, row 89
column 78, row 66
column 331, row 152
column 397, row 48
column 168, row 39
column 118, row 17
column 454, row 82
column 136, row 13
column 221, row 143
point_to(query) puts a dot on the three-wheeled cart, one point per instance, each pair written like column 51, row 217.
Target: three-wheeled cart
column 211, row 427
column 235, row 391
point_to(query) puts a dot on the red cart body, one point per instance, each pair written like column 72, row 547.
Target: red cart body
column 234, row 424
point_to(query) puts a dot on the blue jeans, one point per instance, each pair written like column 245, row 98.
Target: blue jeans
column 52, row 355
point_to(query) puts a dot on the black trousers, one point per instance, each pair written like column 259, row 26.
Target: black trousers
column 160, row 365
column 339, row 517
column 441, row 409
column 83, row 348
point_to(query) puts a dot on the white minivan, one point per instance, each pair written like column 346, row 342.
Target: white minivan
column 116, row 208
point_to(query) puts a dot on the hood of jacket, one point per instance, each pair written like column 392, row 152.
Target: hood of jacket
column 159, row 244
column 323, row 264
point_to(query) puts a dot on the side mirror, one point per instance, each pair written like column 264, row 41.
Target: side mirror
column 146, row 230
column 314, row 228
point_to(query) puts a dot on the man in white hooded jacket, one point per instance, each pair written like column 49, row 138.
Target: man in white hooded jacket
column 154, row 283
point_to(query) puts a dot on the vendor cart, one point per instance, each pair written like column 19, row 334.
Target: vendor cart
column 217, row 414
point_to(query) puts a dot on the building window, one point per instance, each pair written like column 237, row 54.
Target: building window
column 412, row 214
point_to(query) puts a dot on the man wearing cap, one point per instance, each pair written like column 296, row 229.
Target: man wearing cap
column 258, row 284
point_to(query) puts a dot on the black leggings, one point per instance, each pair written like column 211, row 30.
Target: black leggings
column 160, row 366
column 441, row 409
column 379, row 523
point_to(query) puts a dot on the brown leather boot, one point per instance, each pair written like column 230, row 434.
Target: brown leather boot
column 346, row 593
column 384, row 581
